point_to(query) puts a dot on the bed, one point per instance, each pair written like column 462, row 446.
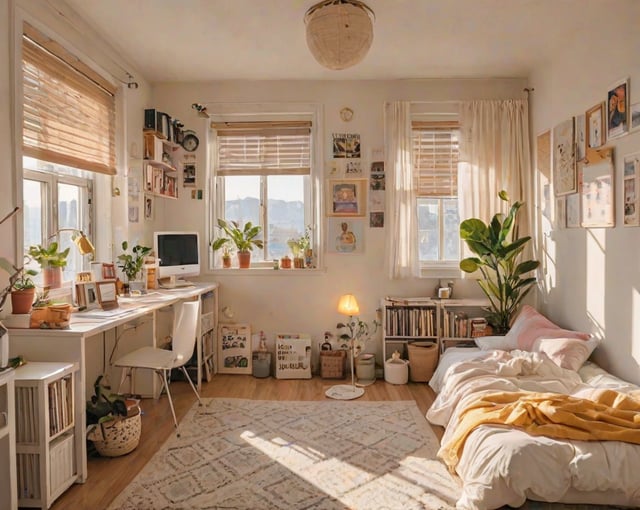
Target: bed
column 502, row 465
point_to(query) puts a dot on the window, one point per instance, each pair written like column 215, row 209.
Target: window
column 68, row 134
column 263, row 174
column 435, row 163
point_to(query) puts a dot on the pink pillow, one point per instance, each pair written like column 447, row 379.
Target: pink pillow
column 531, row 325
column 569, row 353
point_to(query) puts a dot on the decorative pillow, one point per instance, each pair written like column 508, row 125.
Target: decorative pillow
column 531, row 325
column 490, row 343
column 569, row 353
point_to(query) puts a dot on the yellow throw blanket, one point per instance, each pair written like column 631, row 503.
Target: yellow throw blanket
column 610, row 416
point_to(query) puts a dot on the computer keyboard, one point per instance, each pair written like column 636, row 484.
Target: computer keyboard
column 176, row 284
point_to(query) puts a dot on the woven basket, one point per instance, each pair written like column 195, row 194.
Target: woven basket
column 423, row 359
column 117, row 437
column 332, row 364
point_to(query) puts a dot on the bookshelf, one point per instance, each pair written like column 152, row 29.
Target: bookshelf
column 160, row 173
column 8, row 494
column 48, row 431
column 461, row 320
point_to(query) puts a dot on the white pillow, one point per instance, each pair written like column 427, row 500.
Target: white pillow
column 491, row 343
column 569, row 353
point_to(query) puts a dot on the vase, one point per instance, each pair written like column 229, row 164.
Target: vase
column 21, row 300
column 226, row 261
column 244, row 259
column 52, row 277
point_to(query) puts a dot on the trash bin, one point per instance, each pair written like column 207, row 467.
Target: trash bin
column 423, row 359
column 261, row 364
column 366, row 368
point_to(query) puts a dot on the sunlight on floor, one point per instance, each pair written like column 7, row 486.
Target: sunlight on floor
column 415, row 482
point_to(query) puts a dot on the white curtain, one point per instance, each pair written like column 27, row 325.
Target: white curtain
column 402, row 220
column 494, row 155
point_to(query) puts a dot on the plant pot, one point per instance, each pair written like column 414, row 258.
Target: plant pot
column 117, row 437
column 21, row 300
column 285, row 262
column 226, row 261
column 244, row 259
column 52, row 277
column 298, row 263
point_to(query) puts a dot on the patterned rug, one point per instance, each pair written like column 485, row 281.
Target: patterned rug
column 256, row 454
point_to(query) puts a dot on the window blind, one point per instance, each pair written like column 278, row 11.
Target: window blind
column 263, row 148
column 68, row 117
column 435, row 158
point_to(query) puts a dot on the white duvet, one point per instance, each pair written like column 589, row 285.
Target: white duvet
column 502, row 466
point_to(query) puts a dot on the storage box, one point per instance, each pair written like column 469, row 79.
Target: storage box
column 423, row 359
column 396, row 371
column 332, row 364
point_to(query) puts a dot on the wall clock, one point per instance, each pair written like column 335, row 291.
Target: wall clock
column 190, row 141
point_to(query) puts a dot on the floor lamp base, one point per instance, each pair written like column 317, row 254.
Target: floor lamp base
column 344, row 392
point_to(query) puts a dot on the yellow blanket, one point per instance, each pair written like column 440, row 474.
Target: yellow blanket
column 610, row 416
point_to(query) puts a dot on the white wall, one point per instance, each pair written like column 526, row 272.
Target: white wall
column 304, row 301
column 592, row 278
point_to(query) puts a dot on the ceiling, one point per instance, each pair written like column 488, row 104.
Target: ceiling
column 202, row 40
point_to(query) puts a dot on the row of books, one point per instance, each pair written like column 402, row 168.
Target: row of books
column 157, row 181
column 409, row 321
column 459, row 325
column 60, row 405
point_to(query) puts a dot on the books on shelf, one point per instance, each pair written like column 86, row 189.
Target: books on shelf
column 410, row 321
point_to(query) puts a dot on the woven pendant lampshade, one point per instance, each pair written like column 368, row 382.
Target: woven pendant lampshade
column 339, row 32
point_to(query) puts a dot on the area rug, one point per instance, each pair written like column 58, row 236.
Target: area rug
column 256, row 454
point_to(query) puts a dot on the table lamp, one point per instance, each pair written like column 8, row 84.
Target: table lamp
column 348, row 306
column 85, row 246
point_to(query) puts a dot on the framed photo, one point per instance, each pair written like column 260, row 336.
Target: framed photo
column 234, row 349
column 345, row 235
column 635, row 116
column 148, row 207
column 564, row 163
column 630, row 183
column 595, row 126
column 597, row 193
column 618, row 109
column 580, row 141
column 87, row 295
column 346, row 197
column 572, row 214
column 108, row 271
column 346, row 145
column 107, row 294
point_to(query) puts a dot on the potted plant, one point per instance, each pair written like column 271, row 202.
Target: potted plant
column 243, row 238
column 23, row 291
column 114, row 424
column 131, row 263
column 498, row 247
column 51, row 261
column 299, row 247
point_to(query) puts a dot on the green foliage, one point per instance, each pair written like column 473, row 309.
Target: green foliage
column 299, row 245
column 243, row 238
column 131, row 263
column 357, row 331
column 24, row 279
column 498, row 249
column 104, row 406
column 49, row 256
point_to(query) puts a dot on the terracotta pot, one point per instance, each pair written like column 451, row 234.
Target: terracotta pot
column 285, row 262
column 21, row 300
column 244, row 259
column 52, row 277
column 226, row 261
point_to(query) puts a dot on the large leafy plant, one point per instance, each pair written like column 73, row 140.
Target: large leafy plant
column 48, row 256
column 131, row 263
column 498, row 249
column 244, row 238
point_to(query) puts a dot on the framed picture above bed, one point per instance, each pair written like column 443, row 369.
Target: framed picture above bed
column 597, row 192
column 564, row 163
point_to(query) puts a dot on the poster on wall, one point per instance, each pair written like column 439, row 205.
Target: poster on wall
column 597, row 195
column 234, row 349
column 346, row 145
column 564, row 165
column 630, row 185
column 189, row 171
column 345, row 236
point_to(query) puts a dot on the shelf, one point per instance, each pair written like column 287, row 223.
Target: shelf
column 160, row 195
column 160, row 164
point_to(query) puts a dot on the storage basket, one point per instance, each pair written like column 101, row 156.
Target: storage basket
column 332, row 364
column 117, row 437
column 423, row 359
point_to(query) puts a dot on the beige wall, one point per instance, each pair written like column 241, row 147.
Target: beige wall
column 592, row 277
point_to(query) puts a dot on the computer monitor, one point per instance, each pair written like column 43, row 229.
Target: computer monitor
column 178, row 254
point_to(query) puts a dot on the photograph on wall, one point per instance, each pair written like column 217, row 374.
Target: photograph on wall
column 346, row 145
column 134, row 214
column 345, row 236
column 564, row 164
column 133, row 186
column 234, row 349
column 377, row 176
column 148, row 208
column 597, row 198
column 594, row 118
column 346, row 197
column 618, row 109
column 353, row 168
column 635, row 116
column 572, row 210
column 630, row 183
column 189, row 171
column 580, row 137
column 376, row 201
column 376, row 219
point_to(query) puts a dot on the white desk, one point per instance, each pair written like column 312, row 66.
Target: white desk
column 85, row 341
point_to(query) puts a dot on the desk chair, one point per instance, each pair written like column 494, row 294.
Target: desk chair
column 161, row 361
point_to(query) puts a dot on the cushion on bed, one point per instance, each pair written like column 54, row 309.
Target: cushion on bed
column 569, row 353
column 490, row 343
column 531, row 325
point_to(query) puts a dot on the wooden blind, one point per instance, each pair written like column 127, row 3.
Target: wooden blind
column 68, row 118
column 435, row 158
column 263, row 148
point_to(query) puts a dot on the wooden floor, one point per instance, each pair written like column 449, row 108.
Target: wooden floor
column 109, row 476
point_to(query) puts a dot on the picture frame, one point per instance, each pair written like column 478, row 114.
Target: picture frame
column 107, row 294
column 595, row 134
column 148, row 207
column 618, row 109
column 234, row 349
column 564, row 163
column 346, row 197
column 345, row 235
column 580, row 137
column 572, row 213
column 87, row 295
column 597, row 194
column 634, row 112
column 108, row 271
column 631, row 204
column 561, row 212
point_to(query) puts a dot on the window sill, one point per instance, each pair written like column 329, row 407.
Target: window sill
column 444, row 271
column 265, row 271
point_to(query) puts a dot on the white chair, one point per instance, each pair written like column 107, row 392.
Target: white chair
column 162, row 361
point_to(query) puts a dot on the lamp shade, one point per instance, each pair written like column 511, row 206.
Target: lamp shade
column 85, row 246
column 348, row 305
column 339, row 32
